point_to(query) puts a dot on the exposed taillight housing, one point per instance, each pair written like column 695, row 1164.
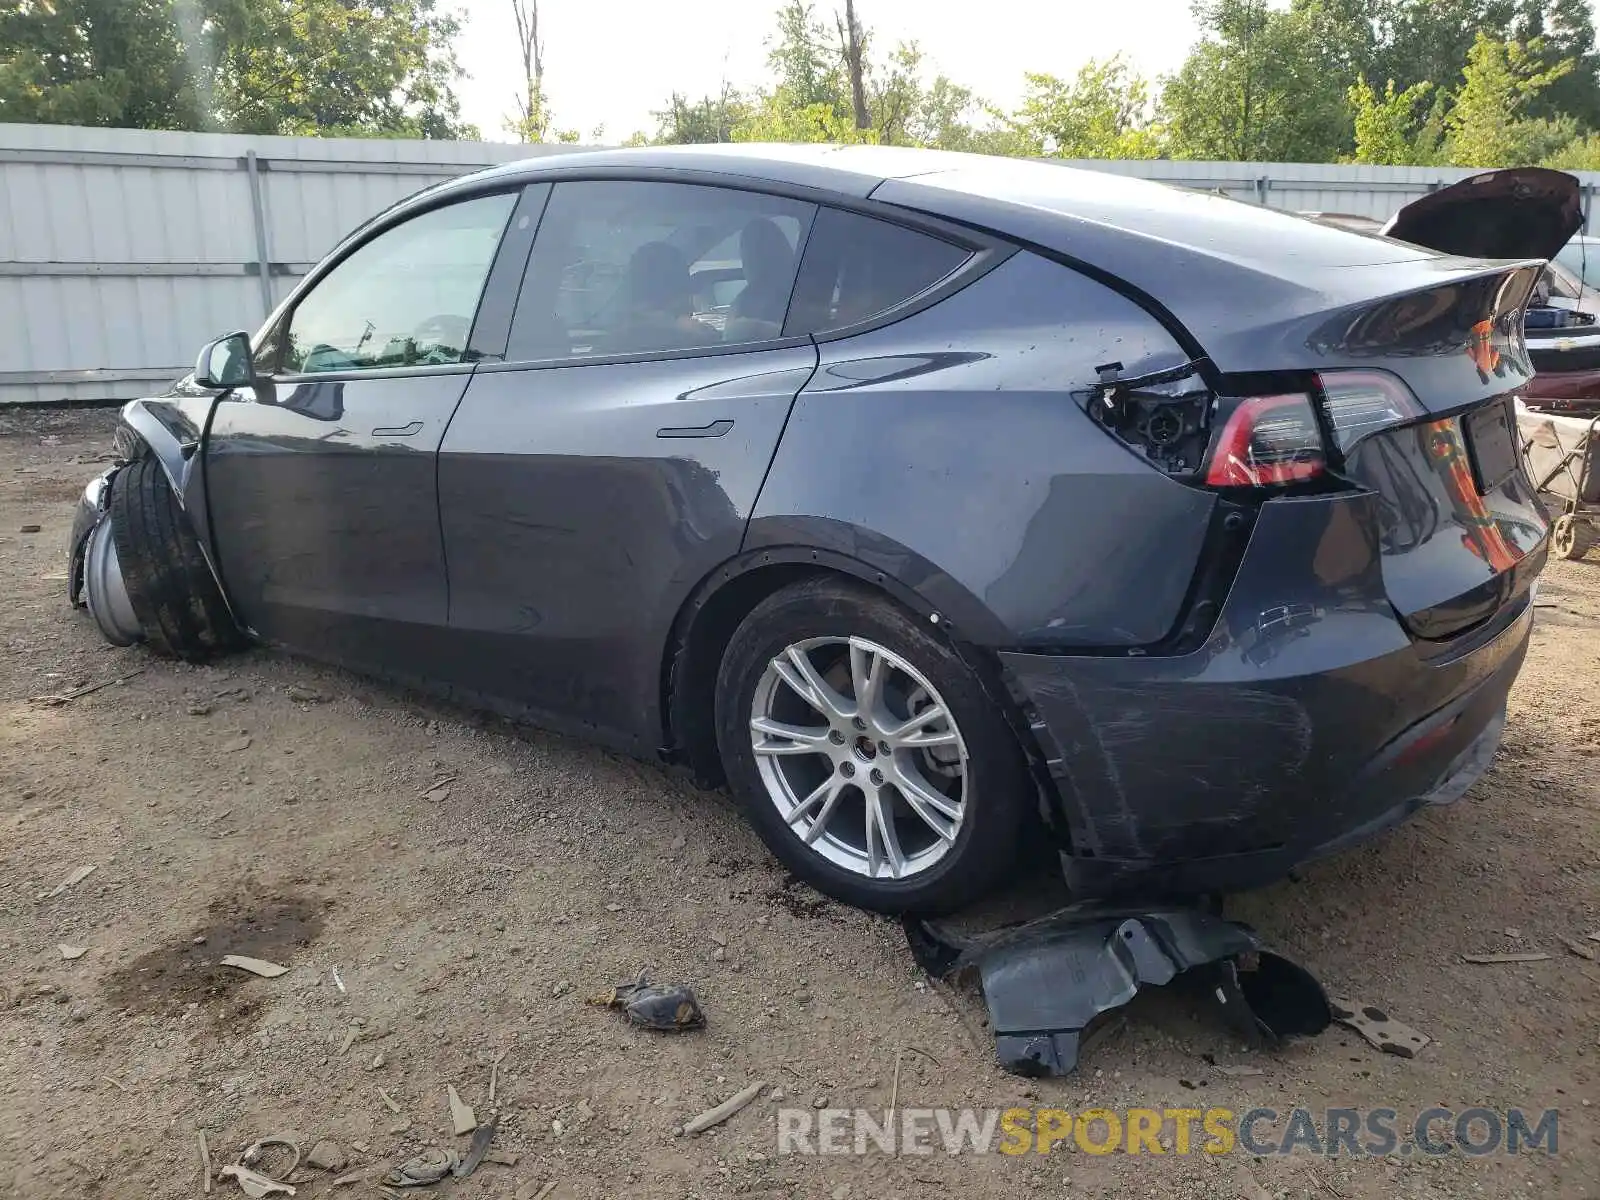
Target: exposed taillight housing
column 1361, row 403
column 1267, row 441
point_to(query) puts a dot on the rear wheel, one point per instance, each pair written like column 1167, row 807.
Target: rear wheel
column 1572, row 536
column 866, row 753
column 175, row 597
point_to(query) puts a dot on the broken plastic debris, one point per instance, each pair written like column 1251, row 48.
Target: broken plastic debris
column 425, row 1169
column 256, row 966
column 1045, row 981
column 327, row 1156
column 253, row 1183
column 670, row 1009
column 71, row 952
column 1238, row 1072
column 1379, row 1028
column 721, row 1112
column 77, row 876
column 461, row 1114
column 481, row 1137
column 253, row 1152
column 205, row 1161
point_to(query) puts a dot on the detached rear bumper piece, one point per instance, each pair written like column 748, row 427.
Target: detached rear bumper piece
column 1310, row 719
column 1046, row 981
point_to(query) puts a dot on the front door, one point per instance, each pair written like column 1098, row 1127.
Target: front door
column 322, row 483
column 591, row 480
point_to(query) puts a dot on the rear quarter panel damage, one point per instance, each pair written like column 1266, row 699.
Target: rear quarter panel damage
column 1277, row 734
column 950, row 453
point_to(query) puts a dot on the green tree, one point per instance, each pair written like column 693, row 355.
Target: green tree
column 1392, row 129
column 685, row 122
column 803, row 61
column 1255, row 88
column 1563, row 32
column 1104, row 112
column 98, row 62
column 1487, row 125
column 532, row 120
column 948, row 117
column 1416, row 41
column 331, row 67
column 1580, row 154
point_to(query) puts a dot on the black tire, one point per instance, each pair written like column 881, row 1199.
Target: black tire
column 173, row 593
column 999, row 790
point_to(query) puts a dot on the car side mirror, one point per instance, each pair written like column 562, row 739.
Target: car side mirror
column 225, row 363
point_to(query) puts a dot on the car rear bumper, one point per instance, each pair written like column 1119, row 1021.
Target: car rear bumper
column 1309, row 720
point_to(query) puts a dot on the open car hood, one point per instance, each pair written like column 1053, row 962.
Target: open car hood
column 1522, row 212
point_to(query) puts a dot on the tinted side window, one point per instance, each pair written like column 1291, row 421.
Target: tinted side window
column 855, row 267
column 406, row 298
column 624, row 267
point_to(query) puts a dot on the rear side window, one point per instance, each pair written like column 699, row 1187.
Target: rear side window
column 856, row 267
column 633, row 267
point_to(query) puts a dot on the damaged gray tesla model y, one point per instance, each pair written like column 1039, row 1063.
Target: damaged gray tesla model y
column 934, row 503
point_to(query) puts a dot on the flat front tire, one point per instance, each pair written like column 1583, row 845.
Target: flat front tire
column 866, row 753
column 175, row 597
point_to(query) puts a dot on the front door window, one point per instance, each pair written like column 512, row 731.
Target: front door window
column 405, row 299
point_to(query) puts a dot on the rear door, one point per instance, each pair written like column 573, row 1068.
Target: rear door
column 593, row 478
column 322, row 481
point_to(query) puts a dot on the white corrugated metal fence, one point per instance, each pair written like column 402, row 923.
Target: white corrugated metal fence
column 122, row 251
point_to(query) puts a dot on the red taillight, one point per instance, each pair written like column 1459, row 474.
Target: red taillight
column 1267, row 441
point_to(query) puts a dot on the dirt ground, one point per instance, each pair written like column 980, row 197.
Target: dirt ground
column 273, row 807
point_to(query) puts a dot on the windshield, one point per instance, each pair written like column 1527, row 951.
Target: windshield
column 1563, row 284
column 1581, row 259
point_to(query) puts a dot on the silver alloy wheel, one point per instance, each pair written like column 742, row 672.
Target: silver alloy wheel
column 861, row 756
column 104, row 591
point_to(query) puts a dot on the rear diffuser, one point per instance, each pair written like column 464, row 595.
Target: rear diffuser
column 1045, row 981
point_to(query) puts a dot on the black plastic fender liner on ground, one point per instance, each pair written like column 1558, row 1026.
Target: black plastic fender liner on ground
column 171, row 587
column 1045, row 981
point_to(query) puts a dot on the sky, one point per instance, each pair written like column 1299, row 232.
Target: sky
column 610, row 63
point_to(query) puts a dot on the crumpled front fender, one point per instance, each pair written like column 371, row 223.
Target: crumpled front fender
column 172, row 428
